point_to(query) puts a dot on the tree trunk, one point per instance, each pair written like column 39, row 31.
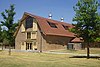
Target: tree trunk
column 88, row 51
column 2, row 46
column 9, row 49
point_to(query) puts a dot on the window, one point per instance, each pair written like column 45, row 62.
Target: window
column 52, row 25
column 28, row 35
column 65, row 27
column 29, row 22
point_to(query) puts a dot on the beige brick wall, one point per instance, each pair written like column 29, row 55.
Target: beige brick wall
column 23, row 46
column 51, row 42
column 35, row 26
column 23, row 27
column 20, row 38
column 55, row 42
column 77, row 46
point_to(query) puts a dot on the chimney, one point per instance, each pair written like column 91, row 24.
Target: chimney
column 50, row 16
column 62, row 19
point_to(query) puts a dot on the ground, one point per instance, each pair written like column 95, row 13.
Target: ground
column 30, row 59
column 92, row 51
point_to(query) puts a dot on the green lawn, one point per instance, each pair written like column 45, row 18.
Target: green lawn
column 27, row 59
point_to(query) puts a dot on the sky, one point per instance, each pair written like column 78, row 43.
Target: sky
column 58, row 8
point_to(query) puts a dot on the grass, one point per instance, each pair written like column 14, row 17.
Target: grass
column 0, row 50
column 28, row 59
column 92, row 51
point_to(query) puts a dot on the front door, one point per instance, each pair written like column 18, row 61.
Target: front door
column 70, row 46
column 28, row 46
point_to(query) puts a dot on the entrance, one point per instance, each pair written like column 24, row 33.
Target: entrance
column 70, row 46
column 28, row 46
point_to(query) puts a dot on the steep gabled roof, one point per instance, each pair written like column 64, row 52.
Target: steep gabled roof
column 45, row 27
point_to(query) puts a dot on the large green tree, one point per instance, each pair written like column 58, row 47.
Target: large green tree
column 88, row 21
column 0, row 33
column 8, row 22
column 1, row 39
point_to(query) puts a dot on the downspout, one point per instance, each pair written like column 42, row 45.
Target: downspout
column 41, row 42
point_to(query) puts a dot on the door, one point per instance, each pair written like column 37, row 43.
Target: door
column 70, row 46
column 28, row 46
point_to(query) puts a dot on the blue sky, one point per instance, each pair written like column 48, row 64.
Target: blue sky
column 58, row 8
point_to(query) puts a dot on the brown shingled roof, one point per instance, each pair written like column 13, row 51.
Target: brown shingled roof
column 47, row 30
column 77, row 40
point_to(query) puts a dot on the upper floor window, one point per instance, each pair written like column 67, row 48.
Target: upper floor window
column 29, row 22
column 65, row 27
column 28, row 35
column 53, row 25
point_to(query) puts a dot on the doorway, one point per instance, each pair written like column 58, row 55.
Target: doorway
column 28, row 46
column 70, row 46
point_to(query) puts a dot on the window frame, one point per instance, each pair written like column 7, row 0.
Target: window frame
column 29, row 22
column 65, row 27
column 53, row 25
column 28, row 35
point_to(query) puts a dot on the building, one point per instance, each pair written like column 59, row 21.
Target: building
column 76, row 44
column 38, row 33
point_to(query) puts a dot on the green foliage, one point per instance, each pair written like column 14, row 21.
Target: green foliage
column 0, row 34
column 8, row 22
column 88, row 20
column 97, row 39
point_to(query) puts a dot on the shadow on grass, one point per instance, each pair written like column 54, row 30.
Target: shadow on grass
column 95, row 57
column 1, row 50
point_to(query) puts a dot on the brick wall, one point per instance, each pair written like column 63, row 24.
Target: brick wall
column 51, row 42
column 20, row 38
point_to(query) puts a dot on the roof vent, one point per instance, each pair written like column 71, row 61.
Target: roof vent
column 50, row 15
column 62, row 19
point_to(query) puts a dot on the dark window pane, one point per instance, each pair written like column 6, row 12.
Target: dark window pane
column 65, row 27
column 28, row 35
column 52, row 25
column 31, row 46
column 29, row 22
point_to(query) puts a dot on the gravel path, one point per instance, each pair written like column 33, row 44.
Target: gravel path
column 74, row 54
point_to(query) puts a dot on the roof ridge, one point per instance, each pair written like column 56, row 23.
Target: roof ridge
column 45, row 18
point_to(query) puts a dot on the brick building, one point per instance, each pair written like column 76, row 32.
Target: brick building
column 38, row 33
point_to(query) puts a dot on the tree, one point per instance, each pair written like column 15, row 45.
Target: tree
column 8, row 22
column 0, row 33
column 1, row 39
column 88, row 21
